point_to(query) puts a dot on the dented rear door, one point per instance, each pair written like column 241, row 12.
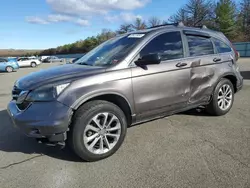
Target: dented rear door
column 203, row 77
column 203, row 66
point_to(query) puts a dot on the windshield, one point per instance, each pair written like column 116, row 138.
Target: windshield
column 111, row 51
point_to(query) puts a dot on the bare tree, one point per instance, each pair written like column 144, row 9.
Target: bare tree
column 199, row 11
column 154, row 21
column 139, row 24
column 195, row 13
column 164, row 22
column 125, row 28
column 105, row 35
column 180, row 16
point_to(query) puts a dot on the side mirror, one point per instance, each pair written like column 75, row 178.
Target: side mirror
column 149, row 59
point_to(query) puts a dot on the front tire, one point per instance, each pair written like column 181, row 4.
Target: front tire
column 223, row 98
column 98, row 130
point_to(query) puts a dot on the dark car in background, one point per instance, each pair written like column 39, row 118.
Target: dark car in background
column 129, row 79
column 68, row 61
column 52, row 59
column 73, row 60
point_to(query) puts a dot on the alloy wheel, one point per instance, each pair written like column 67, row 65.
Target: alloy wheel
column 225, row 96
column 9, row 69
column 102, row 133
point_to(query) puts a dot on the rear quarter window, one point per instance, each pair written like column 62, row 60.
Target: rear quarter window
column 221, row 46
column 199, row 45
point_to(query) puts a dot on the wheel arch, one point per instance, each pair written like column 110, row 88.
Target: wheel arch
column 116, row 98
column 231, row 77
column 213, row 107
column 233, row 80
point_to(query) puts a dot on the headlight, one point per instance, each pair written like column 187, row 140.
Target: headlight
column 47, row 93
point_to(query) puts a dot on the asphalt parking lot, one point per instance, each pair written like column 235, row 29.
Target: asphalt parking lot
column 190, row 149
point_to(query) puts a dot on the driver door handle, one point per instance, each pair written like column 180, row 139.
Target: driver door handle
column 181, row 64
column 217, row 59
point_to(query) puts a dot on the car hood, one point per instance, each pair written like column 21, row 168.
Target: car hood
column 56, row 74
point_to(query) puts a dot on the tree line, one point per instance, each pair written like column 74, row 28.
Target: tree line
column 227, row 16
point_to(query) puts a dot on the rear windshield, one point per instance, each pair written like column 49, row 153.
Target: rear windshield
column 3, row 60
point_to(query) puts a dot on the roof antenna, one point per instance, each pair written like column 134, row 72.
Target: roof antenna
column 181, row 24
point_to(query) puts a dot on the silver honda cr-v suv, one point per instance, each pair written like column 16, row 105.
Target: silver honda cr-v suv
column 128, row 79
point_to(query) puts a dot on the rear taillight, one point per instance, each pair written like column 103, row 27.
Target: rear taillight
column 235, row 52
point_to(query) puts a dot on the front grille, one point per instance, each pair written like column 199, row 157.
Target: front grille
column 23, row 105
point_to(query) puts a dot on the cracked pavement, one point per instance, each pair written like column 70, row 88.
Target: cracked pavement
column 190, row 149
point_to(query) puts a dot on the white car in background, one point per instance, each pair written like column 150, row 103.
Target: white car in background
column 28, row 62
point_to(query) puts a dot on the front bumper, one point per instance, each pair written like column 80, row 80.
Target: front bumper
column 48, row 120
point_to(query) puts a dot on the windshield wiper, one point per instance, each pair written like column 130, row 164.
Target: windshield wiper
column 84, row 63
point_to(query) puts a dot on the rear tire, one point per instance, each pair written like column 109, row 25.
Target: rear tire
column 90, row 137
column 223, row 98
column 9, row 69
column 33, row 64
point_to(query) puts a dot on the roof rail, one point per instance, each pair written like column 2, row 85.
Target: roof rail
column 180, row 24
column 202, row 27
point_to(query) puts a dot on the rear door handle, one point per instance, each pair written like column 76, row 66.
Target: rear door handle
column 181, row 64
column 217, row 59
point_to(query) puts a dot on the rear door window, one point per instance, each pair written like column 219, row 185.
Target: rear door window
column 221, row 47
column 199, row 46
